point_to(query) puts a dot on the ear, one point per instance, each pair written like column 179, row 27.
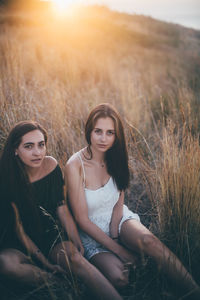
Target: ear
column 16, row 153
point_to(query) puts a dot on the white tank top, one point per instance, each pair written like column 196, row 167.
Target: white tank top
column 100, row 204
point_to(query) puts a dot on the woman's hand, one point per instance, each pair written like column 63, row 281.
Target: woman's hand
column 79, row 246
column 125, row 255
column 77, row 243
column 54, row 268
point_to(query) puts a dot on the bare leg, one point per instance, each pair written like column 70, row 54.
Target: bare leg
column 67, row 256
column 17, row 266
column 138, row 238
column 112, row 267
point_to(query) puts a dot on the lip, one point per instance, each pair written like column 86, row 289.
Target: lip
column 36, row 160
column 102, row 145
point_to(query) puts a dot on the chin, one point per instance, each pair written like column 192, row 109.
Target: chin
column 35, row 164
column 102, row 149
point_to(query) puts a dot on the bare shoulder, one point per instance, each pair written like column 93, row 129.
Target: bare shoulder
column 73, row 163
column 50, row 164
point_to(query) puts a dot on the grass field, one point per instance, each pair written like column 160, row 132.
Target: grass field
column 54, row 70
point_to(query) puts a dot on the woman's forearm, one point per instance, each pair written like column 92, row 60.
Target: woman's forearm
column 114, row 224
column 97, row 234
column 70, row 227
column 30, row 246
column 111, row 244
column 114, row 233
column 116, row 217
column 68, row 223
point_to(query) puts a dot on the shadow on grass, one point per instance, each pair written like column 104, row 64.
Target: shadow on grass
column 58, row 289
column 146, row 283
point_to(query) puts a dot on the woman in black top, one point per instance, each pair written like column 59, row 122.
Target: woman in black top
column 34, row 218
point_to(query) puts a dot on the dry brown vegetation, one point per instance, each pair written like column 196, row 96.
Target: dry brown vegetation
column 55, row 70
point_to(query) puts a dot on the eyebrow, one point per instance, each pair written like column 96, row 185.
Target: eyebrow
column 30, row 143
column 101, row 129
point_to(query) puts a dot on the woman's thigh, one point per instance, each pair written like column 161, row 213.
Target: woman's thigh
column 112, row 268
column 64, row 254
column 137, row 237
column 16, row 266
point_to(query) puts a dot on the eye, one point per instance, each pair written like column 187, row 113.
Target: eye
column 110, row 132
column 42, row 145
column 28, row 146
column 97, row 130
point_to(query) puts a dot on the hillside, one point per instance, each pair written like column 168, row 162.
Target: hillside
column 54, row 69
column 123, row 56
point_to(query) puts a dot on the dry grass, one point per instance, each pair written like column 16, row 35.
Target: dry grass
column 178, row 174
column 54, row 71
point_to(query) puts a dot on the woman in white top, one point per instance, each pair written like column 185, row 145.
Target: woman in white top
column 96, row 178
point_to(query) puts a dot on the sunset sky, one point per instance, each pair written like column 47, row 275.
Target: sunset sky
column 185, row 12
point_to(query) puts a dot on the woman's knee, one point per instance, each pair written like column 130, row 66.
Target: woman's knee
column 148, row 242
column 120, row 279
column 3, row 264
column 112, row 268
column 67, row 254
column 6, row 264
column 75, row 258
column 9, row 262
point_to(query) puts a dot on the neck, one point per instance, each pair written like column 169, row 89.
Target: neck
column 33, row 173
column 97, row 156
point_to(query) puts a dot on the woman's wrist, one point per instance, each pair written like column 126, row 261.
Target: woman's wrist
column 37, row 251
column 39, row 255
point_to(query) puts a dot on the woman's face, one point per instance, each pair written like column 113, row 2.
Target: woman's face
column 103, row 134
column 32, row 149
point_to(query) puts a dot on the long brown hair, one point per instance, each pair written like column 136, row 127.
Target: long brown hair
column 117, row 156
column 14, row 178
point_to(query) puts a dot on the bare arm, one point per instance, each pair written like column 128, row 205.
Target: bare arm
column 117, row 216
column 74, row 182
column 69, row 225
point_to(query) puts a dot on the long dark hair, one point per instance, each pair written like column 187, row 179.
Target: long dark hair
column 14, row 178
column 117, row 156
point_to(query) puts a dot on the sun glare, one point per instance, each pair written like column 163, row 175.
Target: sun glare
column 61, row 5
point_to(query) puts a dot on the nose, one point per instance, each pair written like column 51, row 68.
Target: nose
column 103, row 137
column 36, row 151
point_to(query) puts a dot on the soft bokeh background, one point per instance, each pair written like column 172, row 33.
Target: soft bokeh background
column 185, row 12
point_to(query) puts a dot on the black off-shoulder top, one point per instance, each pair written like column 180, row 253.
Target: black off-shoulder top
column 44, row 229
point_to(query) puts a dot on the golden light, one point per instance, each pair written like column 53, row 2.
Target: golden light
column 61, row 5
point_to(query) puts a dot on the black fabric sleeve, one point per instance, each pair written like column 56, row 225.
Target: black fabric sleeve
column 58, row 198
